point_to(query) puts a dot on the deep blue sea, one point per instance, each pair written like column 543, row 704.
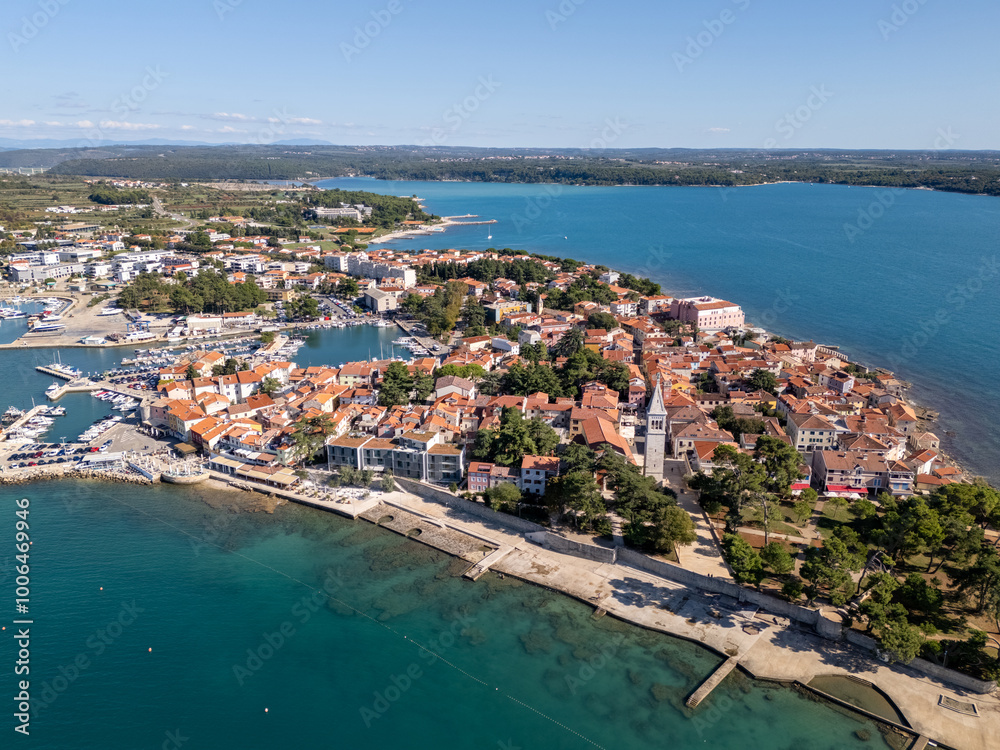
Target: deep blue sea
column 903, row 279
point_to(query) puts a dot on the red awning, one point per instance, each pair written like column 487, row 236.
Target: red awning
column 800, row 486
column 841, row 488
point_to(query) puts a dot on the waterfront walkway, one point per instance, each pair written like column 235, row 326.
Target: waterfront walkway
column 702, row 556
column 765, row 646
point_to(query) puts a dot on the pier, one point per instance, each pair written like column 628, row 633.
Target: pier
column 82, row 386
column 21, row 421
column 712, row 682
column 477, row 570
column 54, row 373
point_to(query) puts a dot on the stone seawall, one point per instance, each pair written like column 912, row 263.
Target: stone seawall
column 435, row 494
column 42, row 474
column 557, row 543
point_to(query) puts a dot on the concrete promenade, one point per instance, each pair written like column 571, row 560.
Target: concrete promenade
column 765, row 646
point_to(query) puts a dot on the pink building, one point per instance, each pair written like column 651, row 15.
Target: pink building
column 708, row 313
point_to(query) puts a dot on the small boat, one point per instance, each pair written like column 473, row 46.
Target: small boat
column 53, row 388
column 11, row 415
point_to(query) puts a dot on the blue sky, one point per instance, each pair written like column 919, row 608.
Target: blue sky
column 914, row 74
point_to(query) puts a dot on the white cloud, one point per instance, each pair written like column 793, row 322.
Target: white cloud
column 17, row 123
column 718, row 130
column 83, row 124
column 303, row 121
column 229, row 129
column 187, row 127
column 113, row 125
column 230, row 116
column 53, row 124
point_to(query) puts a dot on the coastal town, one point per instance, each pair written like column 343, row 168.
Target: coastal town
column 578, row 407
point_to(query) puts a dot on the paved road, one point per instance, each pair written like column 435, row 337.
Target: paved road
column 161, row 211
column 703, row 555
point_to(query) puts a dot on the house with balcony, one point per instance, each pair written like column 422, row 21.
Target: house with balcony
column 861, row 472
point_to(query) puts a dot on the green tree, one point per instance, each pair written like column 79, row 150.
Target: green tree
column 505, row 497
column 792, row 588
column 898, row 640
column 397, row 383
column 513, row 439
column 309, row 434
column 474, row 317
column 388, row 482
column 304, row 307
column 190, row 373
column 802, row 510
column 919, row 596
column 578, row 492
column 570, row 343
column 781, row 463
column 615, row 376
column 980, row 582
column 878, row 605
column 763, row 380
column 423, row 385
column 348, row 288
column 578, row 457
column 267, row 337
column 668, row 525
column 269, row 386
column 543, row 436
column 602, row 320
column 777, row 559
column 743, row 559
column 492, row 383
column 412, row 303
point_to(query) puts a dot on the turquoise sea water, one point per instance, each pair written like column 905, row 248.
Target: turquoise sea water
column 158, row 616
column 904, row 279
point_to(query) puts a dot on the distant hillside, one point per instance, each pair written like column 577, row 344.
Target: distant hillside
column 957, row 171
